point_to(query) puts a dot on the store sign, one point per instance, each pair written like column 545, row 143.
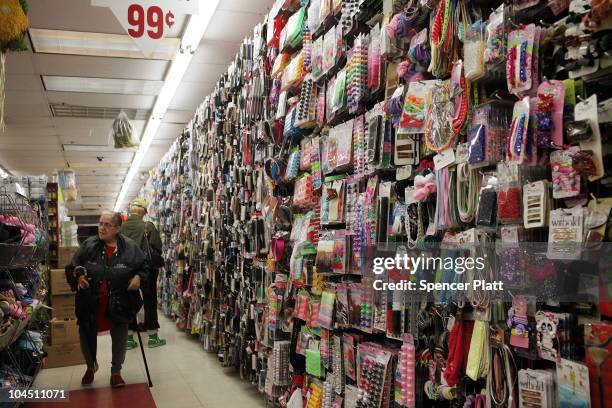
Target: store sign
column 149, row 21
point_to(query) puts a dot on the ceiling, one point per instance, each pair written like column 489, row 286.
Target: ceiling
column 35, row 137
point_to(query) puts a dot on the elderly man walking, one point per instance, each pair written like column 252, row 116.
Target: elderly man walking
column 145, row 234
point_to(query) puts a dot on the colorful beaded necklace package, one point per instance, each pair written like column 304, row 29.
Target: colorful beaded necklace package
column 348, row 136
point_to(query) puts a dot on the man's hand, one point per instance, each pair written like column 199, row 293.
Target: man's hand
column 83, row 282
column 134, row 283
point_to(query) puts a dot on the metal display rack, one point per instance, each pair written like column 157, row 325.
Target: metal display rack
column 20, row 263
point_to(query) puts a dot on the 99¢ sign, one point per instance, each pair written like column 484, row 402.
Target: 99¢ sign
column 149, row 21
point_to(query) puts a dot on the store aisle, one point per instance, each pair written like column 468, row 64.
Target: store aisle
column 183, row 375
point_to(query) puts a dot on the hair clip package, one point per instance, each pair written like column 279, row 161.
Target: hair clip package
column 587, row 111
column 331, row 252
column 518, row 146
column 317, row 59
column 340, row 154
column 509, row 201
column 565, row 233
column 329, row 50
column 549, row 114
column 497, row 38
column 519, row 63
column 333, row 201
column 477, row 137
column 486, row 214
column 314, row 16
column 509, row 255
column 565, row 180
column 375, row 60
column 326, row 312
column 415, row 107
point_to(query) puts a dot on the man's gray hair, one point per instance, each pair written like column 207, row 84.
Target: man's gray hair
column 115, row 216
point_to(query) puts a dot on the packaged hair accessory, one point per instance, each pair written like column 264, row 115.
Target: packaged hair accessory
column 497, row 37
column 519, row 63
column 535, row 204
column 486, row 214
column 565, row 180
column 477, row 137
column 565, row 234
column 326, row 311
column 333, row 201
column 587, row 111
column 549, row 114
column 415, row 107
column 509, row 201
column 519, row 131
column 473, row 52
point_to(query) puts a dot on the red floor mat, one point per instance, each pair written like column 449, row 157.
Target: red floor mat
column 132, row 396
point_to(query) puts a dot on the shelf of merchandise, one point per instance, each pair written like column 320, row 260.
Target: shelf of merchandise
column 53, row 223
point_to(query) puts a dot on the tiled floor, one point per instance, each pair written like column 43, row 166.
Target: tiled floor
column 183, row 375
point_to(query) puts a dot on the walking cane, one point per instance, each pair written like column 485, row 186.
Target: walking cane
column 144, row 357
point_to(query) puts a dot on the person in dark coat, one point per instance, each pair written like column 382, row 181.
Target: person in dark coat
column 106, row 272
column 145, row 234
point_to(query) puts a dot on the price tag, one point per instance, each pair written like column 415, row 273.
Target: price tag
column 403, row 173
column 149, row 21
column 444, row 159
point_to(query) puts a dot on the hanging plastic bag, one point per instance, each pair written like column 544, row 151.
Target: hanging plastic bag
column 124, row 133
column 67, row 182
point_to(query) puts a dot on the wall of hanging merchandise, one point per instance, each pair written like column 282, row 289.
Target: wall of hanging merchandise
column 345, row 127
column 23, row 260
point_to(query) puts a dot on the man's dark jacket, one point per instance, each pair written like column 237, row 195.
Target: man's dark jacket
column 134, row 227
column 127, row 261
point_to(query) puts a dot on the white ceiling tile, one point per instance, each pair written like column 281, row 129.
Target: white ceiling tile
column 204, row 73
column 23, row 97
column 100, row 67
column 23, row 82
column 105, row 100
column 242, row 25
column 178, row 116
column 247, row 6
column 27, row 122
column 169, row 131
column 106, row 180
column 13, row 110
column 19, row 63
column 20, row 148
column 190, row 95
column 216, row 52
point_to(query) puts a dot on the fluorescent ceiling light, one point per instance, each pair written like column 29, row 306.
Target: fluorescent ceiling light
column 3, row 173
column 96, row 44
column 101, row 85
column 196, row 27
column 95, row 148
